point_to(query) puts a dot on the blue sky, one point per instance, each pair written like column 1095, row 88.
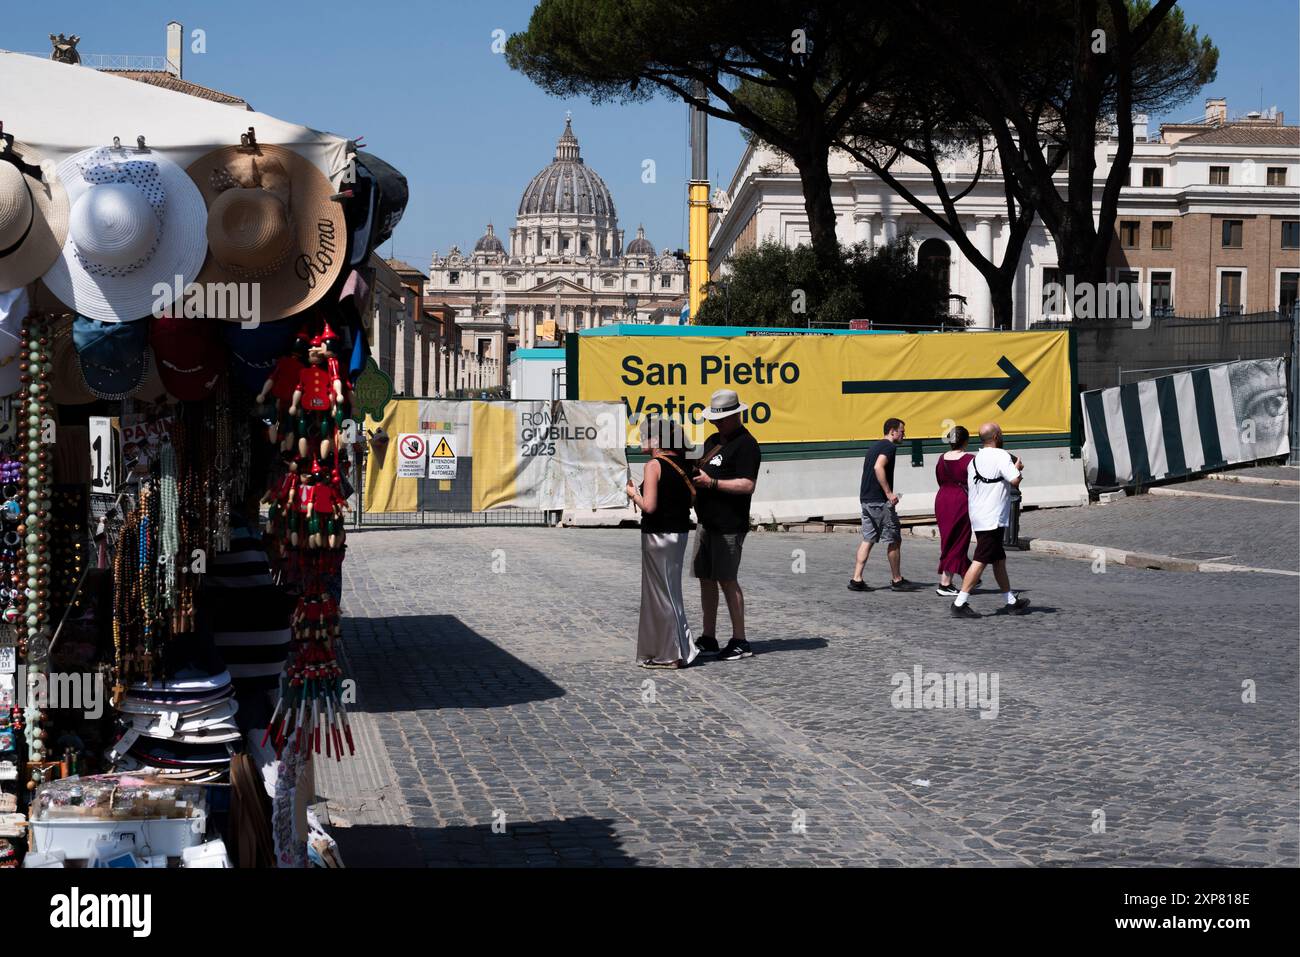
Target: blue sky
column 421, row 82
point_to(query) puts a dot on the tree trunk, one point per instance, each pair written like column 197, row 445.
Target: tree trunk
column 1002, row 292
column 815, row 178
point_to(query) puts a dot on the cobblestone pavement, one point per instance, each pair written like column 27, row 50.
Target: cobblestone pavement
column 511, row 696
column 1230, row 527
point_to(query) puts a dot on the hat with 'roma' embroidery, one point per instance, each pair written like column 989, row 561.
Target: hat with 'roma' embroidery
column 271, row 221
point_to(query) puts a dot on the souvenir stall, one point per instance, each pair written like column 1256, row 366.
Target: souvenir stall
column 179, row 336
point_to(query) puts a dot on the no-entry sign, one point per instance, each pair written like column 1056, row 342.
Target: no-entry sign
column 412, row 455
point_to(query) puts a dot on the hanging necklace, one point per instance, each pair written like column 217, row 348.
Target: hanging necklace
column 169, row 544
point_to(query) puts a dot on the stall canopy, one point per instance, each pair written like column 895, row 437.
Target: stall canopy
column 62, row 109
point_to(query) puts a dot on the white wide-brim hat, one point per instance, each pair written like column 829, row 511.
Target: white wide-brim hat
column 135, row 223
column 33, row 215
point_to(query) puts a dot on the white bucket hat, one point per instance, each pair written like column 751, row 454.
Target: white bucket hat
column 136, row 220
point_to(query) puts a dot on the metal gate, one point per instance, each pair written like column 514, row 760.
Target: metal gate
column 439, row 507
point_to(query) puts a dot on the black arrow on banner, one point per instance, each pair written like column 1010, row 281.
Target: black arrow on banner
column 1014, row 384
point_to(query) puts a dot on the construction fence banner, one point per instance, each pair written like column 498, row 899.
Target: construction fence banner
column 475, row 456
column 811, row 388
column 1188, row 422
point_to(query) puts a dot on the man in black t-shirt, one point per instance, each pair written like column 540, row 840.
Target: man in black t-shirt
column 724, row 480
column 879, row 512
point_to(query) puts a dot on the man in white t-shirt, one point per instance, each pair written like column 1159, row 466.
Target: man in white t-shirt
column 990, row 477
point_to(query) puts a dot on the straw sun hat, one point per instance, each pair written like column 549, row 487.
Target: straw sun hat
column 270, row 220
column 33, row 215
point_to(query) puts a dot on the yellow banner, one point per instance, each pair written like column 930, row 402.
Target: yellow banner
column 384, row 493
column 840, row 387
column 496, row 462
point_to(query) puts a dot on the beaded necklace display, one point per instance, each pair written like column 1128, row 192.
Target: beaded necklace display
column 34, row 532
column 169, row 544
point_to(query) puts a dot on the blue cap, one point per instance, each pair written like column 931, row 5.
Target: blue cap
column 113, row 356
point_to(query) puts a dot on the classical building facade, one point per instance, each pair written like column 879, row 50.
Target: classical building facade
column 1209, row 217
column 562, row 267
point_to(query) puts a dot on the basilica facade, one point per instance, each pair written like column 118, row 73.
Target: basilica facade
column 561, row 268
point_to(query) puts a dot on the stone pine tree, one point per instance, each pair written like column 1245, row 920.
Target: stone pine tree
column 790, row 72
column 1046, row 78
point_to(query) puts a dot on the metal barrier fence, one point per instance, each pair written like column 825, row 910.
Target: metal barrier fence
column 438, row 508
column 1111, row 353
column 441, row 504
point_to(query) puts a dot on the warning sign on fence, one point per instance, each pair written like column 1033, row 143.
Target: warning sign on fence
column 442, row 460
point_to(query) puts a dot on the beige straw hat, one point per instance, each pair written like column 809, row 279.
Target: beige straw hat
column 271, row 221
column 33, row 215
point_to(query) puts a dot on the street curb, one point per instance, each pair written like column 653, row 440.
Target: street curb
column 1184, row 493
column 1251, row 479
column 1119, row 556
column 1081, row 551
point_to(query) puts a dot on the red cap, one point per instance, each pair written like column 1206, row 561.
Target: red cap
column 190, row 355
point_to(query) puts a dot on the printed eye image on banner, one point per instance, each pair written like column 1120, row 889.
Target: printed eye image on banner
column 839, row 388
column 1187, row 422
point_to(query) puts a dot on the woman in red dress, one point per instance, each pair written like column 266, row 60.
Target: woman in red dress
column 950, row 509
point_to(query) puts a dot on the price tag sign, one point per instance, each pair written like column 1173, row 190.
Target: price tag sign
column 8, row 651
column 103, row 467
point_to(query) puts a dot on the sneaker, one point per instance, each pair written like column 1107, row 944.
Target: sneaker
column 858, row 586
column 964, row 611
column 735, row 650
column 902, row 585
column 1017, row 609
column 706, row 645
column 948, row 591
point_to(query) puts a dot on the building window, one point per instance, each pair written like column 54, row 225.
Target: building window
column 665, row 282
column 565, row 247
column 631, row 284
column 546, row 243
column 1232, row 234
column 1230, row 292
column 1291, row 234
column 1288, row 292
column 581, row 281
column 1162, row 235
column 453, row 278
column 512, row 280
column 1218, row 176
column 1162, row 294
column 487, row 280
column 1277, row 176
column 609, row 282
column 1128, row 234
column 1153, row 176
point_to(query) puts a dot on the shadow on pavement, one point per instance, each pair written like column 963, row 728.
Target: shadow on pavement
column 428, row 662
column 575, row 842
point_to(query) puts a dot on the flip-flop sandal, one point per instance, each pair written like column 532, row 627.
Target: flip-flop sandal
column 661, row 666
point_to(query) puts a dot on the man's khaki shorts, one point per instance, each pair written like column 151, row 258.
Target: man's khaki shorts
column 717, row 554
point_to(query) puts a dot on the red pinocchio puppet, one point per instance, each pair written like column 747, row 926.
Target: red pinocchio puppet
column 318, row 397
